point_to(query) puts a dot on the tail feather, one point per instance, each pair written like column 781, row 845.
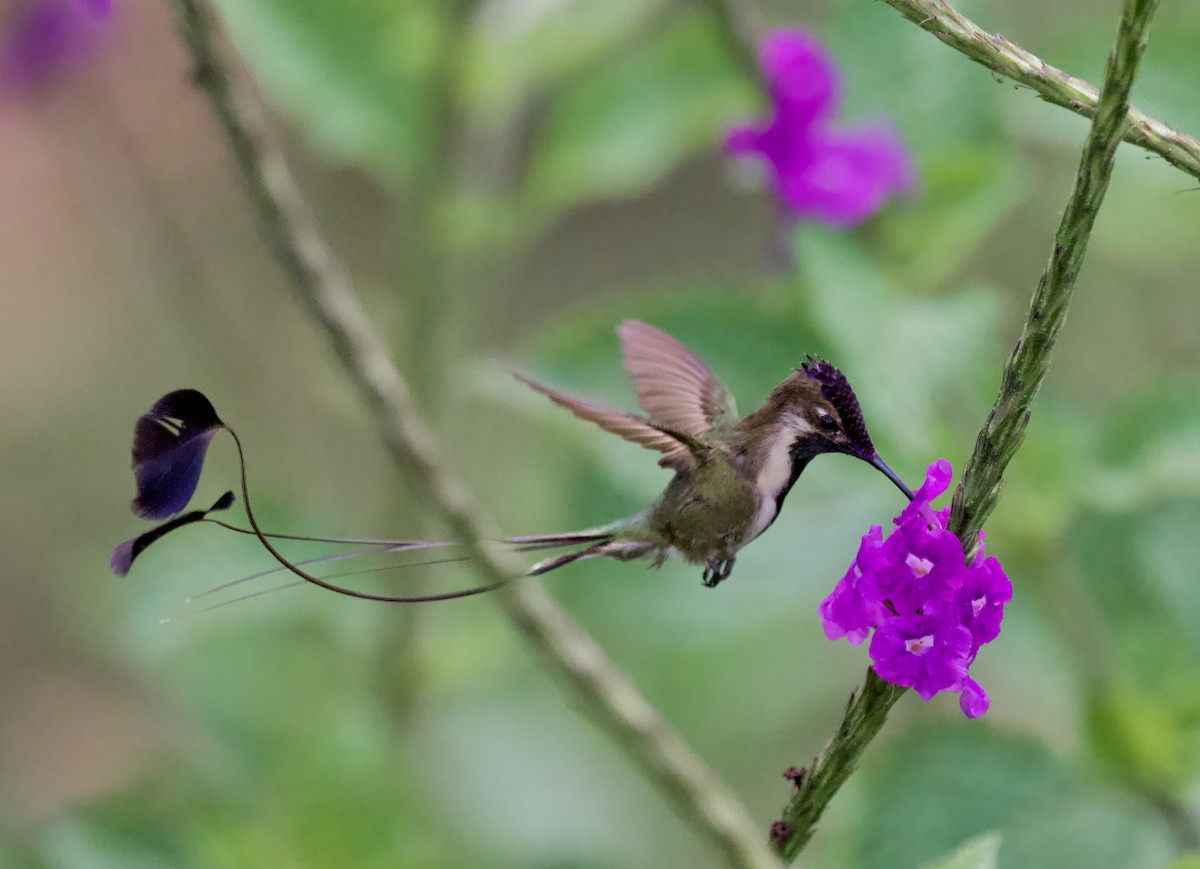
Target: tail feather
column 538, row 542
column 548, row 564
column 592, row 540
column 598, row 538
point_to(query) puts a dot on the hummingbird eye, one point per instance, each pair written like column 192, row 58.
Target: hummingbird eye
column 827, row 422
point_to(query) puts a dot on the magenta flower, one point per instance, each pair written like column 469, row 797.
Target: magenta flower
column 919, row 563
column 848, row 612
column 973, row 701
column 982, row 598
column 928, row 653
column 839, row 176
column 930, row 611
column 45, row 37
column 937, row 480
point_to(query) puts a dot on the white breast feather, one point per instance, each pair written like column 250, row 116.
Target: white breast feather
column 776, row 470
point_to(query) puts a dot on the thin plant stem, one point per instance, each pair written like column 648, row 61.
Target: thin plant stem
column 739, row 33
column 1004, row 57
column 1005, row 427
column 431, row 347
column 321, row 284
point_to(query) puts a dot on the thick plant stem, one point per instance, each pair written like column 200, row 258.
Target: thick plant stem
column 1005, row 427
column 322, row 285
column 1026, row 368
column 1005, row 58
column 865, row 716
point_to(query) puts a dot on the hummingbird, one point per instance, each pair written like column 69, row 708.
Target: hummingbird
column 731, row 473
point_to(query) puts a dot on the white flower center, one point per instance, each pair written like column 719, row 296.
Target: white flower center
column 920, row 645
column 978, row 604
column 919, row 566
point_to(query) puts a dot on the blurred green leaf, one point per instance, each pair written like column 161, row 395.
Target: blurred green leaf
column 1170, row 553
column 942, row 784
column 978, row 853
column 964, row 193
column 522, row 50
column 1141, row 569
column 908, row 360
column 1150, row 444
column 72, row 845
column 1143, row 712
column 1137, row 735
column 625, row 125
column 351, row 73
column 1146, row 419
column 1052, row 475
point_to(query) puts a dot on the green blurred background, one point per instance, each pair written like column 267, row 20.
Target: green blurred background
column 507, row 180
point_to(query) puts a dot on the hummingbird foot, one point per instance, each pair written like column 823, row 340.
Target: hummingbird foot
column 717, row 571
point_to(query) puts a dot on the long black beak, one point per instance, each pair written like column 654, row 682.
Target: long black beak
column 879, row 463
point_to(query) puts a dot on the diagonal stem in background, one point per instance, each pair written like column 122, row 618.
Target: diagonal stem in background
column 1004, row 430
column 1005, row 58
column 739, row 31
column 564, row 647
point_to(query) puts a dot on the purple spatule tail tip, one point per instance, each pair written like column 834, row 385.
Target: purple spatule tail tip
column 124, row 554
column 169, row 446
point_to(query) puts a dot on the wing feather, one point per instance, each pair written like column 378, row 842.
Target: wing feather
column 677, row 451
column 674, row 388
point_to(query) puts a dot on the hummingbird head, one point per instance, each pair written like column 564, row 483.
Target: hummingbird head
column 813, row 411
column 837, row 419
column 835, row 416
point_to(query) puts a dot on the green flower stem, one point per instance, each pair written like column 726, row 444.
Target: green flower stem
column 865, row 716
column 1005, row 58
column 425, row 332
column 1005, row 427
column 565, row 649
column 1004, row 430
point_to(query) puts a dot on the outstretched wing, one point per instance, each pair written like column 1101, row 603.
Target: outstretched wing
column 677, row 448
column 675, row 389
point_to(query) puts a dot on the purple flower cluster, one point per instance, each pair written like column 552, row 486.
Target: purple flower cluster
column 929, row 610
column 837, row 175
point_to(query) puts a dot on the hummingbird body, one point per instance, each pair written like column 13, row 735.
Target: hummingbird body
column 704, row 515
column 731, row 475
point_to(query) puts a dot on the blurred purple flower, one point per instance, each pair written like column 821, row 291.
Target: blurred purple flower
column 973, row 701
column 839, row 176
column 982, row 598
column 45, row 37
column 930, row 611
